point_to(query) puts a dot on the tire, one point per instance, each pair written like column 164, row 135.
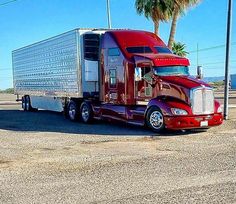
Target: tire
column 23, row 103
column 73, row 111
column 86, row 112
column 28, row 106
column 155, row 120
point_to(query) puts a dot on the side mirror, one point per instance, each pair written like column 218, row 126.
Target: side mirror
column 199, row 72
column 138, row 74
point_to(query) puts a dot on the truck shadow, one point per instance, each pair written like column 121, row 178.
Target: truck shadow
column 46, row 121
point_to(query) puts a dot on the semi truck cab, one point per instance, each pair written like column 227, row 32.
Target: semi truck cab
column 145, row 83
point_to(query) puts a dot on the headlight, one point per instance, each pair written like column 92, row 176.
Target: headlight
column 177, row 111
column 220, row 109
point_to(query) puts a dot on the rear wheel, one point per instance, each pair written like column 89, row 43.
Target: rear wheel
column 73, row 111
column 23, row 103
column 155, row 119
column 86, row 112
column 26, row 104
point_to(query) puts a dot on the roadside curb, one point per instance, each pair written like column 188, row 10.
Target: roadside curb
column 9, row 103
column 232, row 106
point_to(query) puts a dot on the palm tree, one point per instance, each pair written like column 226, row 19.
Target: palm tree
column 157, row 10
column 178, row 8
column 179, row 49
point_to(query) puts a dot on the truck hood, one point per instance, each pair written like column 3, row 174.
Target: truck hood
column 177, row 87
column 188, row 82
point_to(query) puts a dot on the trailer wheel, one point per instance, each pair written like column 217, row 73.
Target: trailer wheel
column 86, row 112
column 23, row 103
column 155, row 119
column 72, row 111
column 28, row 106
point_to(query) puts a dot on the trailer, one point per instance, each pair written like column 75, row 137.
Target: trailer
column 233, row 81
column 121, row 75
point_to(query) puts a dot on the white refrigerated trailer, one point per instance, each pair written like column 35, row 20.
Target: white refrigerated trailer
column 49, row 72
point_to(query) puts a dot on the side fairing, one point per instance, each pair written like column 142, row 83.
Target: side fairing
column 112, row 72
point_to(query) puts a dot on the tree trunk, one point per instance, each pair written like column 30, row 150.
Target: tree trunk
column 156, row 27
column 173, row 28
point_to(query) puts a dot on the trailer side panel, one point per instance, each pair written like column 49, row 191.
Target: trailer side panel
column 50, row 67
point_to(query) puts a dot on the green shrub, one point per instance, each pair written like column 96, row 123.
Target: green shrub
column 8, row 91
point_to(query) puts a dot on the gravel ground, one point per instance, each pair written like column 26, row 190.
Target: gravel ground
column 46, row 159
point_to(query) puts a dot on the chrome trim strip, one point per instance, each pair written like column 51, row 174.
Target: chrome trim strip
column 142, row 102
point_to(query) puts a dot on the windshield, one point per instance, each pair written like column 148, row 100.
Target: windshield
column 171, row 71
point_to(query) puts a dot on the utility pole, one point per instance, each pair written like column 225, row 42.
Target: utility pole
column 227, row 60
column 108, row 14
column 197, row 55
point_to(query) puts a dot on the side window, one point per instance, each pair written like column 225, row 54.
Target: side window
column 91, row 47
column 112, row 78
column 147, row 77
column 146, row 73
column 113, row 52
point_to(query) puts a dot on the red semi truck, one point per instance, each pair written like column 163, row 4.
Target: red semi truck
column 121, row 75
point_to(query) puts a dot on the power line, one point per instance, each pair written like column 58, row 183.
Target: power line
column 211, row 48
column 7, row 2
column 207, row 57
column 208, row 63
column 211, row 68
column 213, row 63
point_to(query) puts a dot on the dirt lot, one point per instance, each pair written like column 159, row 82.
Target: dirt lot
column 46, row 159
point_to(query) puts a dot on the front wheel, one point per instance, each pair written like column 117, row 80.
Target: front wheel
column 155, row 119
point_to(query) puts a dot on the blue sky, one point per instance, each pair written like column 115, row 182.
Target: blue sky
column 24, row 22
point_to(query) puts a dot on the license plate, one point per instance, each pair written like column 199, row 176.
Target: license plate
column 204, row 123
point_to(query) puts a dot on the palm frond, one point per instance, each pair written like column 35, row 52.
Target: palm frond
column 178, row 48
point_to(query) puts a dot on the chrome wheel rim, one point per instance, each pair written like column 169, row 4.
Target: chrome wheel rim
column 85, row 113
column 72, row 112
column 156, row 120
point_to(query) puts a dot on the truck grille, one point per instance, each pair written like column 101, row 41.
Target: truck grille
column 202, row 101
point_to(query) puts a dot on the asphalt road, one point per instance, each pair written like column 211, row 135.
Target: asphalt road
column 46, row 159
